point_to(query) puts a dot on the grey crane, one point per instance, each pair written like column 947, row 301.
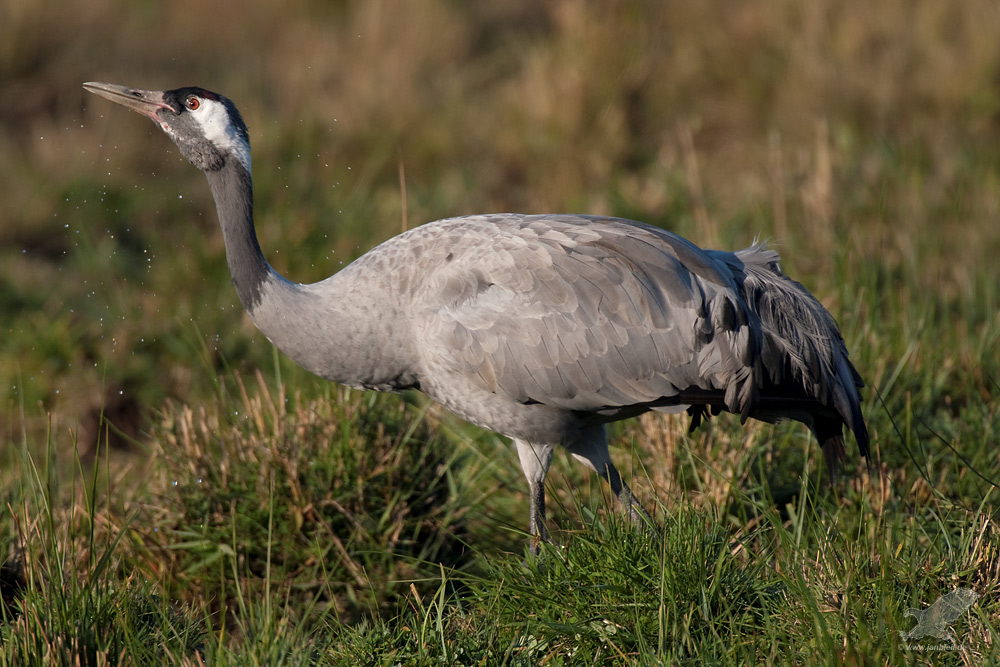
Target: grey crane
column 542, row 328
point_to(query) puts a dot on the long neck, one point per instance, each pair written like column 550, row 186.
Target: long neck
column 327, row 327
column 233, row 191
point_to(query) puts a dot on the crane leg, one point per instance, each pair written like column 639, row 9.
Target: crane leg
column 535, row 461
column 592, row 449
column 636, row 512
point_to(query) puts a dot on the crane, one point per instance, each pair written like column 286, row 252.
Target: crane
column 543, row 328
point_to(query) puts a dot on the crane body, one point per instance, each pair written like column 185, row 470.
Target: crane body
column 542, row 328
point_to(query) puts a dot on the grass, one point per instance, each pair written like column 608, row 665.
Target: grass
column 175, row 492
column 366, row 493
column 824, row 580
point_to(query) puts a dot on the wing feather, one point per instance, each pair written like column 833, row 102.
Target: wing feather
column 586, row 314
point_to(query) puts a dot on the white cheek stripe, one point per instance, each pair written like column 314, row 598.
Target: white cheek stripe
column 214, row 119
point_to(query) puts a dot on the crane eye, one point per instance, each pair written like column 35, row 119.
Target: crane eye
column 193, row 103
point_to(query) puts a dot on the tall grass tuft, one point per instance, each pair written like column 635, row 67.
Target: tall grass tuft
column 346, row 499
column 65, row 600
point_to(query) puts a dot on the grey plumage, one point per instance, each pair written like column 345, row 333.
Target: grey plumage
column 543, row 327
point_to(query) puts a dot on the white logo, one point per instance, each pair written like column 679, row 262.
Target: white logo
column 934, row 621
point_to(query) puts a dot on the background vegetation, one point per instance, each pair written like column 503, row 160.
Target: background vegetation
column 174, row 491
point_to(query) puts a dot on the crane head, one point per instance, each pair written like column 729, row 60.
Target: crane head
column 206, row 126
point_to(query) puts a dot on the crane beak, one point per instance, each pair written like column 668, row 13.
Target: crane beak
column 146, row 102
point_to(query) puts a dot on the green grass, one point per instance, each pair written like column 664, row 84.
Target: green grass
column 175, row 492
column 824, row 579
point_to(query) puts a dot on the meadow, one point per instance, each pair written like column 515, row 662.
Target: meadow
column 176, row 492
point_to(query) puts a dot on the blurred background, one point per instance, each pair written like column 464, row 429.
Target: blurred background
column 860, row 138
